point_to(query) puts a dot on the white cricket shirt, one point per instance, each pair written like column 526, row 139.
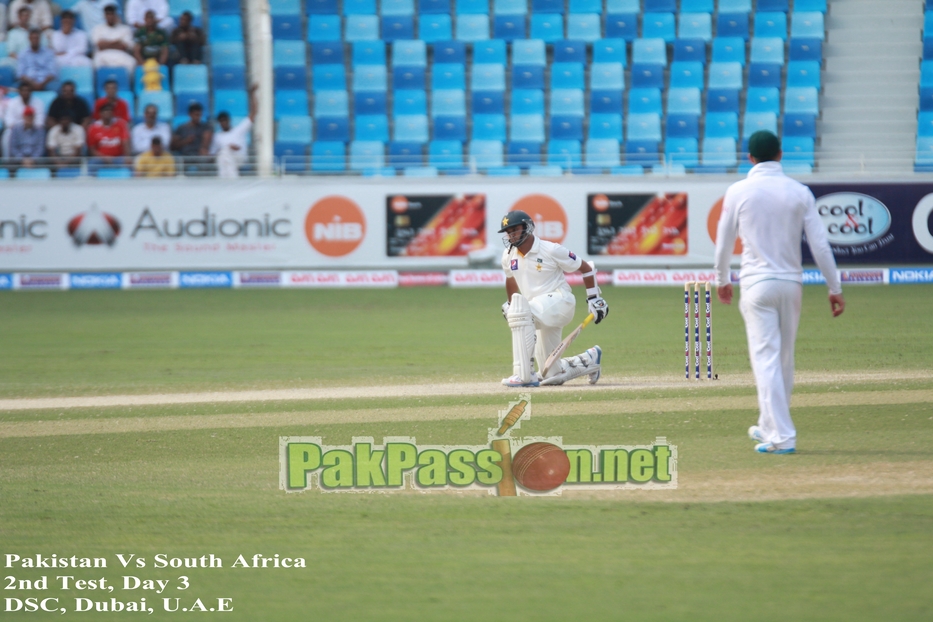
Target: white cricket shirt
column 769, row 212
column 542, row 270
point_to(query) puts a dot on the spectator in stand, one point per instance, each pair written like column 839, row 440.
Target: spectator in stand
column 92, row 13
column 136, row 13
column 27, row 140
column 229, row 145
column 70, row 44
column 151, row 127
column 40, row 12
column 17, row 39
column 188, row 40
column 120, row 108
column 113, row 42
column 65, row 141
column 16, row 105
column 193, row 138
column 151, row 41
column 155, row 162
column 109, row 138
column 70, row 104
column 36, row 64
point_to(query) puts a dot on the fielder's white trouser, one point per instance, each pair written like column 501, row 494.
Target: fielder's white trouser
column 771, row 310
column 551, row 313
column 228, row 163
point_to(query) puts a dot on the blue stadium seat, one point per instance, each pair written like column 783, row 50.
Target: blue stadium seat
column 807, row 25
column 510, row 7
column 488, row 77
column 8, row 76
column 289, row 103
column 369, row 53
column 395, row 27
column 333, row 104
column 529, row 52
column 433, row 28
column 187, row 78
column 563, row 127
column 324, row 28
column 286, row 27
column 472, row 7
column 360, row 28
column 183, row 100
column 163, row 100
column 645, row 126
column 735, row 6
column 586, row 6
column 607, row 77
column 722, row 125
column 406, row 77
column 120, row 172
column 771, row 24
column 411, row 128
column 719, row 152
column 806, row 49
column 695, row 26
column 732, row 25
column 509, row 27
column 567, row 102
column 328, row 157
column 683, row 101
column 802, row 100
column 772, row 5
column 285, row 54
column 119, row 74
column 571, row 51
column 803, row 73
column 34, row 173
column 234, row 102
column 472, row 28
column 696, row 6
column 603, row 125
column 682, row 126
column 326, row 52
column 398, row 7
column 545, row 170
column 763, row 99
column 584, row 27
column 367, row 154
column 547, row 6
column 690, row 51
column 649, row 51
column 406, row 154
column 435, row 7
column 329, row 78
column 729, row 50
column 682, row 151
column 764, row 75
column 488, row 127
column 547, row 26
column 644, row 100
column 527, row 77
column 722, row 100
column 485, row 154
column 488, row 102
column 725, row 76
column 658, row 26
column 927, row 47
column 924, row 152
column 225, row 28
column 176, row 7
column 448, row 102
column 228, row 77
column 810, row 5
column 797, row 149
column 609, row 51
column 567, row 76
column 321, row 7
column 565, row 153
column 687, row 74
column 412, row 101
column 623, row 6
column 606, row 101
column 767, row 50
column 293, row 155
column 294, row 129
column 755, row 121
column 333, row 128
column 490, row 51
column 622, row 26
column 448, row 76
column 602, row 153
column 648, row 76
column 450, row 52
column 527, row 128
column 450, row 128
column 83, row 77
column 445, row 154
column 224, row 7
column 371, row 102
column 521, row 155
column 527, row 101
column 359, row 7
column 369, row 78
column 658, row 6
column 800, row 125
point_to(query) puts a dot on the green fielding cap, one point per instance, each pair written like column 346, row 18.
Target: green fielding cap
column 764, row 146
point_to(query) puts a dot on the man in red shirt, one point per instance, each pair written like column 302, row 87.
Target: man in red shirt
column 120, row 109
column 109, row 138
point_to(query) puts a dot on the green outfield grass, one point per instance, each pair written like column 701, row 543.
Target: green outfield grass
column 840, row 531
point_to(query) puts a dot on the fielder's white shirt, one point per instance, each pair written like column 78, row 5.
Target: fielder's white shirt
column 542, row 270
column 236, row 135
column 769, row 211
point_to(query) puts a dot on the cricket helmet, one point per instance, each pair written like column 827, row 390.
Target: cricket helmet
column 515, row 218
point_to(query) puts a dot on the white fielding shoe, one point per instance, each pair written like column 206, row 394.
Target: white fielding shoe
column 596, row 355
column 516, row 381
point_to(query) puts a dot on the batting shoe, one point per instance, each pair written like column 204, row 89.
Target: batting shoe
column 516, row 381
column 769, row 448
column 756, row 435
column 596, row 356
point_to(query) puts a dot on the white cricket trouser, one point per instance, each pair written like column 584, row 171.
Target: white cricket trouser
column 771, row 310
column 551, row 313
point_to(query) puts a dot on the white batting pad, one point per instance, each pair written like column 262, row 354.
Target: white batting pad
column 580, row 365
column 522, row 324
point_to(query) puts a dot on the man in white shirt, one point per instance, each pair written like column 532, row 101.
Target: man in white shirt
column 70, row 44
column 92, row 13
column 136, row 13
column 113, row 42
column 65, row 141
column 540, row 304
column 770, row 212
column 17, row 39
column 40, row 16
column 144, row 132
column 229, row 145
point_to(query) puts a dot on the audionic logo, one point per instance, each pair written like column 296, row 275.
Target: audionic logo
column 852, row 218
column 549, row 216
column 94, row 227
column 335, row 226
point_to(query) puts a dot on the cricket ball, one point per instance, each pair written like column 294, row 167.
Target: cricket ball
column 540, row 466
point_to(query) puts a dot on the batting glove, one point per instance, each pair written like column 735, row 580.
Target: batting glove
column 505, row 310
column 598, row 307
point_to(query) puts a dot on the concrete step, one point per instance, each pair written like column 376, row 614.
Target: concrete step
column 834, row 74
column 862, row 48
column 836, row 125
column 881, row 19
column 869, row 63
column 850, row 8
column 867, row 144
column 856, row 96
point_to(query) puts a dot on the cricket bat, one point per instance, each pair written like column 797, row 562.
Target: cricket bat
column 560, row 349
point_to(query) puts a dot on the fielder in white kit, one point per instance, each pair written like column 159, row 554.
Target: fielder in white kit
column 540, row 304
column 769, row 211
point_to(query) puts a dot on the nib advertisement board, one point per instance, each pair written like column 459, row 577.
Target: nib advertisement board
column 876, row 223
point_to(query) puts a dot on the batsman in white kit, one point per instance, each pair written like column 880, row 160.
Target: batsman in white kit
column 540, row 303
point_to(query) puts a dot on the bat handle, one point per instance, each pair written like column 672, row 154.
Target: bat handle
column 588, row 319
